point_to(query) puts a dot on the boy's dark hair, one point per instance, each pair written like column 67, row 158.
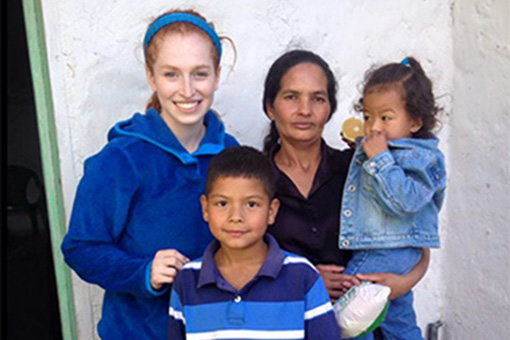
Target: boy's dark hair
column 278, row 70
column 241, row 161
column 409, row 78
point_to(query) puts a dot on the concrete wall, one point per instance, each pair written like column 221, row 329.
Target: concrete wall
column 98, row 78
column 477, row 258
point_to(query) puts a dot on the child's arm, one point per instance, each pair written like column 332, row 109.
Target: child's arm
column 320, row 322
column 176, row 319
column 335, row 281
column 406, row 187
column 401, row 284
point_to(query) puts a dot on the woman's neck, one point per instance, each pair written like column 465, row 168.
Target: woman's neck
column 303, row 156
column 189, row 136
column 300, row 164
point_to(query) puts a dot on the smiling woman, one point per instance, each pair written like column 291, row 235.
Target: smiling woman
column 136, row 218
column 182, row 66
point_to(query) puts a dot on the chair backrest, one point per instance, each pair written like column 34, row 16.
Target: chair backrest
column 18, row 181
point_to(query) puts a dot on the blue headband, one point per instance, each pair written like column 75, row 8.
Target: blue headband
column 170, row 18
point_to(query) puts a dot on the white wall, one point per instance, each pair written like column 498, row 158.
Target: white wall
column 477, row 257
column 98, row 78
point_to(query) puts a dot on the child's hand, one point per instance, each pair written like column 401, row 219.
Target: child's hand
column 165, row 266
column 374, row 144
column 336, row 282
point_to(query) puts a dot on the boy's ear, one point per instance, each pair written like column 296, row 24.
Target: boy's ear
column 205, row 212
column 417, row 124
column 274, row 205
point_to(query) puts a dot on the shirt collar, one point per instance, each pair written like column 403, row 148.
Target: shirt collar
column 327, row 168
column 209, row 273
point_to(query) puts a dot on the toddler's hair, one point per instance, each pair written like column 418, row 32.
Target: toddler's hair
column 415, row 87
column 241, row 161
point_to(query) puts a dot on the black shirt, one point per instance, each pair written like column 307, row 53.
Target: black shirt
column 310, row 226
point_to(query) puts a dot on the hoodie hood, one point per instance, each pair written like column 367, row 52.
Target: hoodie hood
column 151, row 128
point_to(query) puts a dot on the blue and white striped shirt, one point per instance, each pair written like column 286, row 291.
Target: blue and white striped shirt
column 287, row 299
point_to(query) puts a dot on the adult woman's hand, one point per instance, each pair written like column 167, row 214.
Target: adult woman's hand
column 401, row 284
column 165, row 266
column 397, row 283
column 337, row 283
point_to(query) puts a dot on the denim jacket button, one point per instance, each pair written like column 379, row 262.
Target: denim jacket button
column 352, row 188
column 345, row 243
column 372, row 165
column 347, row 213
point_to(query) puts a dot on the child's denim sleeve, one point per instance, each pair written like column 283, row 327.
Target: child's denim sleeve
column 320, row 322
column 405, row 186
column 176, row 319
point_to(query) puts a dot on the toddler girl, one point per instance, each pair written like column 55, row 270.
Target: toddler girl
column 396, row 184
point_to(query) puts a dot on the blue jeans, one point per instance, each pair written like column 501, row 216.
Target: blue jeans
column 400, row 322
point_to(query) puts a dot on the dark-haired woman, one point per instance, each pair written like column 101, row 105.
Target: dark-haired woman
column 300, row 98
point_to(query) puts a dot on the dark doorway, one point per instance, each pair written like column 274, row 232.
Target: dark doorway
column 32, row 301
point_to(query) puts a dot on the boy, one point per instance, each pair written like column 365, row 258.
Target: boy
column 245, row 286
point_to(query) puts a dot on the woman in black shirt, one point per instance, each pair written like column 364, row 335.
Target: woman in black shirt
column 300, row 98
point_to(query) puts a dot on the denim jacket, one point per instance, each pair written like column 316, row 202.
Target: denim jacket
column 392, row 200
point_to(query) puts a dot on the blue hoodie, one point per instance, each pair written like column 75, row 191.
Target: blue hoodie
column 138, row 195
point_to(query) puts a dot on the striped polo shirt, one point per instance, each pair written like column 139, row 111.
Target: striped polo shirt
column 287, row 299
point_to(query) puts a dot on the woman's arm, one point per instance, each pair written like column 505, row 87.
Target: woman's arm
column 335, row 281
column 101, row 208
column 401, row 284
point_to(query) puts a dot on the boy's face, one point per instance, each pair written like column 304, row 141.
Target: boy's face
column 239, row 210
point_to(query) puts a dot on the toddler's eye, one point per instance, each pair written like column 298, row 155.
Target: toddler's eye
column 386, row 118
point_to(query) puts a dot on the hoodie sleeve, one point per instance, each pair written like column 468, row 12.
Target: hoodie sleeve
column 100, row 211
column 177, row 314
